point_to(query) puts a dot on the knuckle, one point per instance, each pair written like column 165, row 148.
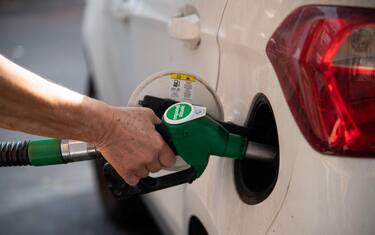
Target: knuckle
column 149, row 112
column 144, row 173
column 155, row 145
column 144, row 157
column 155, row 168
column 131, row 179
column 168, row 160
column 159, row 144
column 132, row 169
column 150, row 160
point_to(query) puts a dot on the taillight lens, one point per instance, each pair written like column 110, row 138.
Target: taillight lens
column 324, row 57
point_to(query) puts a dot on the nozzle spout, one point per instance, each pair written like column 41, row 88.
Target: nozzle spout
column 261, row 152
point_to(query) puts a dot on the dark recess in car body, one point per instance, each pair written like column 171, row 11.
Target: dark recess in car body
column 196, row 227
column 255, row 180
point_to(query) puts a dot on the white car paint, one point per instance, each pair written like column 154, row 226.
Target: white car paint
column 314, row 194
column 124, row 52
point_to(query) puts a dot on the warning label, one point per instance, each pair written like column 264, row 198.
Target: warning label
column 182, row 76
column 181, row 89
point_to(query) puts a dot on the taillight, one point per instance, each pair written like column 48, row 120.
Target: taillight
column 324, row 57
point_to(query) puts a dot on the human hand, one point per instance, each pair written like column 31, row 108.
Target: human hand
column 132, row 145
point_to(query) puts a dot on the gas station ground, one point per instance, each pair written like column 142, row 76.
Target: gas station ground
column 45, row 37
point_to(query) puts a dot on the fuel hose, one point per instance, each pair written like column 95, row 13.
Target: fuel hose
column 45, row 152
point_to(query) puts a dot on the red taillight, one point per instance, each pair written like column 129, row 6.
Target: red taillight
column 324, row 57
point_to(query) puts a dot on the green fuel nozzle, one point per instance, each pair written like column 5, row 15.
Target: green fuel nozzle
column 196, row 136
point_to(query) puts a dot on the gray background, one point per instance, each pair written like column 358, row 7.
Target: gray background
column 45, row 37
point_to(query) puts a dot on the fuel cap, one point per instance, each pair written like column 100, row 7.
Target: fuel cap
column 180, row 87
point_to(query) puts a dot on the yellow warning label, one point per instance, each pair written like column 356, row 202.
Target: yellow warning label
column 181, row 76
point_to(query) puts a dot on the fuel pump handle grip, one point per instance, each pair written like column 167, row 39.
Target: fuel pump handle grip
column 121, row 189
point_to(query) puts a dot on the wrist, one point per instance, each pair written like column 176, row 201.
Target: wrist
column 98, row 118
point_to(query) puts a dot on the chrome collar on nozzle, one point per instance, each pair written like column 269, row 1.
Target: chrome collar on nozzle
column 73, row 151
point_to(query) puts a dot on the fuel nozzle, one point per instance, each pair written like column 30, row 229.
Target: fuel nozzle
column 196, row 136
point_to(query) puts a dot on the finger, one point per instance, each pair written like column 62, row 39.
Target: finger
column 154, row 166
column 131, row 179
column 155, row 119
column 166, row 156
column 142, row 173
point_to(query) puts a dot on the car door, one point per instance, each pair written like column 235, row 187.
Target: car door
column 149, row 36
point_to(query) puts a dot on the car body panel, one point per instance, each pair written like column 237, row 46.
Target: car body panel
column 314, row 193
column 244, row 33
column 328, row 195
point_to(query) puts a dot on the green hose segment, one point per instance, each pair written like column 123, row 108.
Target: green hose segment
column 45, row 152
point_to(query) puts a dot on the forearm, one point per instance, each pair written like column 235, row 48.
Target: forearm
column 32, row 104
column 125, row 136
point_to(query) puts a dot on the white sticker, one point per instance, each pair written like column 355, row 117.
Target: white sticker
column 181, row 89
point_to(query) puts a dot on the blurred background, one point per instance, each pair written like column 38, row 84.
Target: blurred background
column 45, row 37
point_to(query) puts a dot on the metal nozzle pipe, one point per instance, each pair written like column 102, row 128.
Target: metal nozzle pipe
column 73, row 151
column 261, row 152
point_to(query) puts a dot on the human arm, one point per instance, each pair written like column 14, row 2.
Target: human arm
column 125, row 136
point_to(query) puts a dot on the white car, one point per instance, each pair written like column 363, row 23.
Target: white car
column 299, row 74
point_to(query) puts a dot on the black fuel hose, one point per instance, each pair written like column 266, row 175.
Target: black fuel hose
column 14, row 153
